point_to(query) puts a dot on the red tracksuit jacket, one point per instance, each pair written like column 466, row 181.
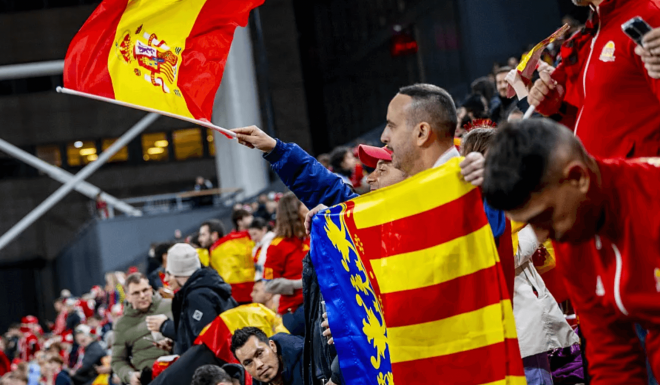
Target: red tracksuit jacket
column 614, row 280
column 618, row 104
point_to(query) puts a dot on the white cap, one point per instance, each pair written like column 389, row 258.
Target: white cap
column 182, row 260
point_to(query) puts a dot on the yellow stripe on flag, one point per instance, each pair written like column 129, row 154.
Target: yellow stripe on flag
column 256, row 315
column 423, row 192
column 510, row 380
column 145, row 81
column 436, row 264
column 451, row 335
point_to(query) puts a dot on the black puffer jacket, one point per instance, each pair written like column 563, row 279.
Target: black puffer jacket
column 318, row 357
column 204, row 296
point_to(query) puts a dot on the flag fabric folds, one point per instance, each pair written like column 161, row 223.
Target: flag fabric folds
column 231, row 257
column 217, row 335
column 168, row 55
column 413, row 285
column 521, row 76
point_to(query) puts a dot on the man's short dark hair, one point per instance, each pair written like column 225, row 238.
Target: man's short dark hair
column 518, row 161
column 433, row 105
column 505, row 69
column 161, row 249
column 241, row 336
column 237, row 215
column 134, row 279
column 258, row 223
column 210, row 375
column 215, row 226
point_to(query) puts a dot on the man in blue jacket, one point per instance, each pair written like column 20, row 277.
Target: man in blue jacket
column 277, row 360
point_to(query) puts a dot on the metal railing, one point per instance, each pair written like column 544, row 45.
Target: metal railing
column 164, row 203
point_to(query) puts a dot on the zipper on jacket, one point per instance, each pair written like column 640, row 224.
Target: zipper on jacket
column 617, row 280
column 586, row 69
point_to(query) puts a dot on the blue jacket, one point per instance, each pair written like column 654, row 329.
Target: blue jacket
column 290, row 349
column 314, row 184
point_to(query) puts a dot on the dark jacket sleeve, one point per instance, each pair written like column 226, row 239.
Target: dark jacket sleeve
column 92, row 357
column 168, row 330
column 154, row 280
column 203, row 308
column 312, row 183
column 72, row 320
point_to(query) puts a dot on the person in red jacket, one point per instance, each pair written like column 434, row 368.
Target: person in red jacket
column 602, row 89
column 602, row 217
column 283, row 267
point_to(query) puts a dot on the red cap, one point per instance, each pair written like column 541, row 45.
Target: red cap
column 30, row 319
column 370, row 155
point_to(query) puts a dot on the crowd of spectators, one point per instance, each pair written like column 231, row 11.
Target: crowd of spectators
column 153, row 326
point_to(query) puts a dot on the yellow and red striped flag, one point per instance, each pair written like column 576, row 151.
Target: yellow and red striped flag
column 217, row 335
column 231, row 257
column 413, row 285
column 166, row 55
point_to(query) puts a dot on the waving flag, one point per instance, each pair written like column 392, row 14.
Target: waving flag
column 521, row 76
column 413, row 286
column 167, row 55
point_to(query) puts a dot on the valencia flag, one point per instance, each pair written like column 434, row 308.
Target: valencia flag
column 167, row 55
column 413, row 285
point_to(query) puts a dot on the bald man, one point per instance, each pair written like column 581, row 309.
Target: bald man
column 604, row 216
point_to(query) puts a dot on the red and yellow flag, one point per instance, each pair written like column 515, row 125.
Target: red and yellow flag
column 168, row 55
column 217, row 335
column 414, row 287
column 231, row 257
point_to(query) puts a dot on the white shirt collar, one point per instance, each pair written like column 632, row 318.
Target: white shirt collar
column 444, row 158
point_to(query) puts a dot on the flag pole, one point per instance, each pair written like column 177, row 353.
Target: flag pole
column 529, row 112
column 224, row 131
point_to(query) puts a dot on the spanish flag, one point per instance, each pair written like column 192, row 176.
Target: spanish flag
column 217, row 335
column 167, row 55
column 231, row 257
column 413, row 285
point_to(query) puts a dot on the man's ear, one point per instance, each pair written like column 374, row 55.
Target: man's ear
column 577, row 175
column 273, row 345
column 423, row 134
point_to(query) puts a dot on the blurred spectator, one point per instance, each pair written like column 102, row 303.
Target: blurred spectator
column 477, row 140
column 92, row 353
column 343, row 163
column 324, row 159
column 133, row 350
column 157, row 277
column 12, row 338
column 515, row 114
column 53, row 373
column 262, row 238
column 474, row 107
column 283, row 268
column 260, row 295
column 485, row 87
column 241, row 219
column 210, row 232
column 513, row 62
column 503, row 105
column 202, row 184
column 211, row 375
column 277, row 360
column 201, row 296
column 73, row 318
column 16, row 377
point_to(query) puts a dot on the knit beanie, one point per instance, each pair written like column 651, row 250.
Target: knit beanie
column 182, row 260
